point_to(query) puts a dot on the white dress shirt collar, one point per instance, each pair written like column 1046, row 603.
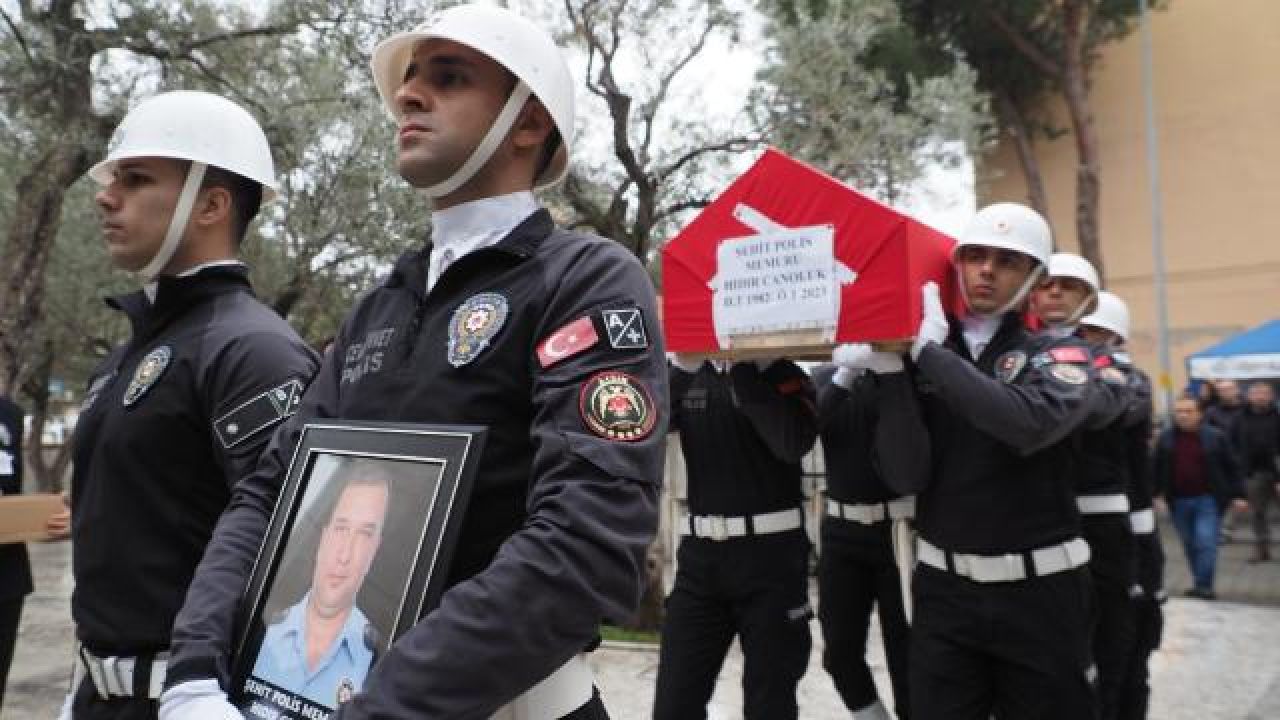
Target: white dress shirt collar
column 465, row 228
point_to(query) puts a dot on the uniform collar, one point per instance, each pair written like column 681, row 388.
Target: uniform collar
column 991, row 331
column 352, row 634
column 174, row 293
column 151, row 288
column 482, row 222
column 411, row 269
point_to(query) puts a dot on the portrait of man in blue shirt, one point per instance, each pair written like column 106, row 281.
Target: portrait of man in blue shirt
column 320, row 648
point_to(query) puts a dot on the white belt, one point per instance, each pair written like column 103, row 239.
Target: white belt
column 113, row 676
column 563, row 691
column 720, row 527
column 1006, row 568
column 1142, row 522
column 1102, row 504
column 904, row 507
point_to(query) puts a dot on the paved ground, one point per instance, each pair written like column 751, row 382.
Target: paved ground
column 1220, row 661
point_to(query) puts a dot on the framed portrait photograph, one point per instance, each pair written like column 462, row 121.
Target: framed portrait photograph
column 357, row 550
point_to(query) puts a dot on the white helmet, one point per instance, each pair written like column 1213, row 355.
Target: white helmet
column 1009, row 226
column 1112, row 314
column 196, row 126
column 1068, row 265
column 524, row 49
column 203, row 128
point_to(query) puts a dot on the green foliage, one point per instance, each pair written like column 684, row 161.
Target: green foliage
column 848, row 87
column 299, row 65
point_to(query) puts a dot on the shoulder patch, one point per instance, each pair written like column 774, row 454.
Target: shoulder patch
column 625, row 328
column 259, row 413
column 1069, row 354
column 1102, row 361
column 568, row 341
column 1009, row 365
column 617, row 406
column 1069, row 373
column 146, row 374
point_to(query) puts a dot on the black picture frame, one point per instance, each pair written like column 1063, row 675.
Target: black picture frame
column 373, row 510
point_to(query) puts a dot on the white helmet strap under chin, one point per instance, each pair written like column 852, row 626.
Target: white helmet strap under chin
column 497, row 133
column 1083, row 309
column 177, row 223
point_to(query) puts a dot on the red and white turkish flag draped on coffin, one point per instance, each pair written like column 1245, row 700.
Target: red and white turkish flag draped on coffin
column 789, row 261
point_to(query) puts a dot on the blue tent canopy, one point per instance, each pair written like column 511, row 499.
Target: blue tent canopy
column 1254, row 353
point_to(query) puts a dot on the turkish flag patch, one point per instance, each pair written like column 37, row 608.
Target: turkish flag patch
column 568, row 341
column 1069, row 354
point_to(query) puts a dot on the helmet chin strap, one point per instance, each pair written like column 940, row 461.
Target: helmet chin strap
column 177, row 223
column 1014, row 302
column 497, row 132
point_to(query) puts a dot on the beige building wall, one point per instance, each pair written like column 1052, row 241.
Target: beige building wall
column 1216, row 67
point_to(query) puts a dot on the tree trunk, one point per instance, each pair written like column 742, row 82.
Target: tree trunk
column 1088, row 160
column 32, row 232
column 1016, row 127
column 47, row 476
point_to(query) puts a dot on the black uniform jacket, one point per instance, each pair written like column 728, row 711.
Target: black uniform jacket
column 15, row 568
column 985, row 443
column 1105, row 447
column 555, row 535
column 743, row 434
column 847, row 418
column 154, row 465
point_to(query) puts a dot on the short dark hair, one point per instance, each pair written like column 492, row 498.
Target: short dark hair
column 246, row 197
column 550, row 147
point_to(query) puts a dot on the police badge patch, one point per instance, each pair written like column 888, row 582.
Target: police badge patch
column 473, row 325
column 1069, row 374
column 617, row 406
column 148, row 372
column 1009, row 365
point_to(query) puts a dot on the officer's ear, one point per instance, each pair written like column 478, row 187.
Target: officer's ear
column 213, row 206
column 532, row 128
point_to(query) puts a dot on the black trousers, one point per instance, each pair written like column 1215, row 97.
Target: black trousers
column 1135, row 688
column 752, row 587
column 1012, row 651
column 10, row 617
column 856, row 573
column 1112, row 571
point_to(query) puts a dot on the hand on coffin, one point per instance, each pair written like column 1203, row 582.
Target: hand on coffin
column 933, row 320
column 861, row 356
column 687, row 362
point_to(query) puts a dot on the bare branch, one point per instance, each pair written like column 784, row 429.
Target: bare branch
column 677, row 208
column 17, row 34
column 650, row 109
column 738, row 143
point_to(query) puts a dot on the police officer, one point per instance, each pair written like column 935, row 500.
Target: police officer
column 1108, row 326
column 176, row 415
column 15, row 568
column 542, row 335
column 857, row 567
column 743, row 561
column 1069, row 291
column 1001, row 598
